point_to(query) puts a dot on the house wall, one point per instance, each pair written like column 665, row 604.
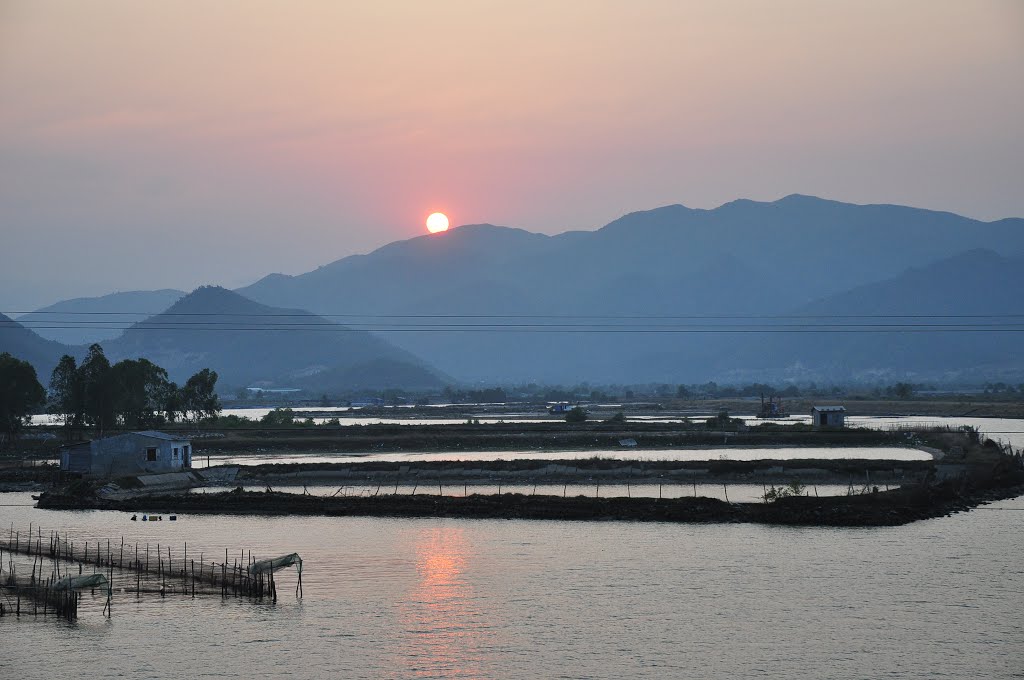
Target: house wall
column 125, row 455
column 76, row 458
column 830, row 418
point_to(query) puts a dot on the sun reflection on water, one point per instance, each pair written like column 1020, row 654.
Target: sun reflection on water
column 447, row 630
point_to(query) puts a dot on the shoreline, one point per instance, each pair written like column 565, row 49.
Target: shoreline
column 883, row 508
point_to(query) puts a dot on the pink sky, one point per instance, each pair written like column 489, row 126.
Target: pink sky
column 238, row 138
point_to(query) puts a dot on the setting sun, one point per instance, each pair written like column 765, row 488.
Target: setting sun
column 437, row 222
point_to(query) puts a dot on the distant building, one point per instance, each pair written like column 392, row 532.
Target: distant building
column 123, row 455
column 828, row 416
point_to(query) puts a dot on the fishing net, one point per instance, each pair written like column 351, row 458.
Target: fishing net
column 277, row 563
column 80, row 582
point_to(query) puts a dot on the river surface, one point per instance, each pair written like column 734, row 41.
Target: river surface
column 443, row 598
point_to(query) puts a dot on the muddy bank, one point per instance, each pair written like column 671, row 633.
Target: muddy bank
column 883, row 508
column 19, row 477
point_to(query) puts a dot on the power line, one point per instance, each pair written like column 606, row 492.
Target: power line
column 314, row 324
column 535, row 316
column 325, row 328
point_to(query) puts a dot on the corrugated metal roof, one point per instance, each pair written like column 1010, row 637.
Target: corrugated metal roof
column 153, row 434
column 821, row 409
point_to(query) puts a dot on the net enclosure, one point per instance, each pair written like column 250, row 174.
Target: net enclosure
column 277, row 563
column 80, row 582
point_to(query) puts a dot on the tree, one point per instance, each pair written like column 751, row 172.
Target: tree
column 140, row 392
column 279, row 417
column 98, row 389
column 199, row 396
column 577, row 414
column 682, row 392
column 67, row 396
column 902, row 390
column 20, row 393
column 172, row 404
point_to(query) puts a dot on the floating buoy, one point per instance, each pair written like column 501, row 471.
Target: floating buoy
column 145, row 519
column 173, row 518
column 135, row 518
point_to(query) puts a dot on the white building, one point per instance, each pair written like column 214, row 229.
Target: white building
column 828, row 416
column 123, row 455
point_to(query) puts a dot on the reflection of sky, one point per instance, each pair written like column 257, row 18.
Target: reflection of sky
column 1004, row 430
column 637, row 454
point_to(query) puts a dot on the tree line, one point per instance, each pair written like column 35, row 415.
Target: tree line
column 131, row 394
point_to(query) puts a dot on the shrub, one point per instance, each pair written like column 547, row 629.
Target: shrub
column 578, row 414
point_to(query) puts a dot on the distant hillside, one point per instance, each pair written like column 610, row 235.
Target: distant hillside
column 972, row 295
column 83, row 321
column 743, row 258
column 248, row 343
column 23, row 344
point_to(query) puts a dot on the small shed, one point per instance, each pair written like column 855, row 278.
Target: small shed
column 133, row 453
column 828, row 416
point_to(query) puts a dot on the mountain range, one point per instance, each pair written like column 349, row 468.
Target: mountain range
column 85, row 320
column 744, row 258
column 248, row 344
column 667, row 295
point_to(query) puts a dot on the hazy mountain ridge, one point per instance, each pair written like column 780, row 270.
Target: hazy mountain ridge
column 86, row 320
column 26, row 345
column 970, row 295
column 250, row 343
column 744, row 257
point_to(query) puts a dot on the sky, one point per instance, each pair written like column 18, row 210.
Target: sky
column 149, row 145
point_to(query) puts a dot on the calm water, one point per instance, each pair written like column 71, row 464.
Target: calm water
column 760, row 453
column 439, row 598
column 1007, row 430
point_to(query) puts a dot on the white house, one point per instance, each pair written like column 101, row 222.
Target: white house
column 133, row 453
column 828, row 416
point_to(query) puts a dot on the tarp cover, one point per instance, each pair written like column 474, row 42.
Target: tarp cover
column 80, row 582
column 278, row 563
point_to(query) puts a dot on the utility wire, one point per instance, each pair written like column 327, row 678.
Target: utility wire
column 537, row 316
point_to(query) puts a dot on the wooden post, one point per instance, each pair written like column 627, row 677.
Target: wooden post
column 726, row 489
